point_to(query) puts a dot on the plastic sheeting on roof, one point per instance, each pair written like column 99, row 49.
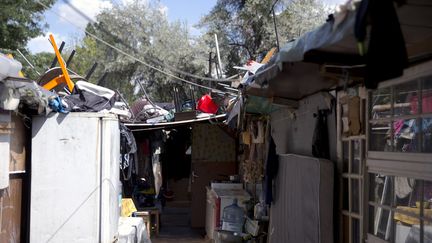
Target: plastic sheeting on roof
column 327, row 34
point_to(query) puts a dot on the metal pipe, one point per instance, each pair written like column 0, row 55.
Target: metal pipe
column 69, row 60
column 90, row 72
column 28, row 62
column 218, row 54
column 275, row 27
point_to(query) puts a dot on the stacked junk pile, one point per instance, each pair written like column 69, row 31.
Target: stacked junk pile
column 74, row 117
column 81, row 123
column 61, row 90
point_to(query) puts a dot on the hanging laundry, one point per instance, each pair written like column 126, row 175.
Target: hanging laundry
column 128, row 150
column 257, row 131
column 157, row 146
column 157, row 168
column 271, row 170
column 355, row 125
column 426, row 103
column 408, row 129
column 397, row 126
column 246, row 137
column 320, row 141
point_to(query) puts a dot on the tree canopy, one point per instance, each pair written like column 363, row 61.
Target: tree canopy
column 20, row 20
column 141, row 29
column 245, row 31
column 246, row 28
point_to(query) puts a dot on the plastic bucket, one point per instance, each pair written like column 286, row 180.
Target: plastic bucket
column 207, row 105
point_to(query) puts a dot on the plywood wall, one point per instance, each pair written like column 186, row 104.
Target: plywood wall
column 210, row 143
column 11, row 199
column 293, row 130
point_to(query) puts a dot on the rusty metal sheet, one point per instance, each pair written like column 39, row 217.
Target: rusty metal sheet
column 17, row 145
column 10, row 212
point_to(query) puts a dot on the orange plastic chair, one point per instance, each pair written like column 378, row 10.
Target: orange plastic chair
column 64, row 77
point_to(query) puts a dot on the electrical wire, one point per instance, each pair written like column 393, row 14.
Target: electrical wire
column 127, row 54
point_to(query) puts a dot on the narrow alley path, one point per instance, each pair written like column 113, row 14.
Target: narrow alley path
column 175, row 225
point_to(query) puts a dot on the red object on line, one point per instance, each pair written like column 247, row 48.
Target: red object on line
column 207, row 105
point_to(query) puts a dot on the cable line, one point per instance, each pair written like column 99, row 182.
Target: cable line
column 172, row 68
column 127, row 54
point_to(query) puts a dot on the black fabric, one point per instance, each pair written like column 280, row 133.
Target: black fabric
column 128, row 149
column 320, row 141
column 271, row 170
column 81, row 100
column 175, row 163
column 386, row 56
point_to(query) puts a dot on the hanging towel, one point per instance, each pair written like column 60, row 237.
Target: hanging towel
column 257, row 130
column 320, row 141
column 271, row 169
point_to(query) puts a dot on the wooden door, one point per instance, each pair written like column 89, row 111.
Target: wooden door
column 202, row 174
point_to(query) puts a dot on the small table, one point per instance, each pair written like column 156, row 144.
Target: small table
column 146, row 215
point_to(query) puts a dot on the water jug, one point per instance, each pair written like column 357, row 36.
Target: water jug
column 233, row 217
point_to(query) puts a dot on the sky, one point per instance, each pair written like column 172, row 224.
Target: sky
column 185, row 10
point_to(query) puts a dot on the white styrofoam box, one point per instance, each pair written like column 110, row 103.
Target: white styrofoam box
column 5, row 139
column 73, row 157
column 132, row 230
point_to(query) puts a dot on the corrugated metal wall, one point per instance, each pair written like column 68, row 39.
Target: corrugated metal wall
column 293, row 131
column 302, row 210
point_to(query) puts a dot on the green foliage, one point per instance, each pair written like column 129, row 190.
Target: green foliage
column 240, row 26
column 300, row 16
column 246, row 29
column 141, row 29
column 86, row 54
column 20, row 20
column 40, row 61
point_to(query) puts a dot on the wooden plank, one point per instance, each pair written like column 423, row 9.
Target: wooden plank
column 10, row 212
column 17, row 145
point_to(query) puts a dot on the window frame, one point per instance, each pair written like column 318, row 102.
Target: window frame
column 411, row 165
column 350, row 175
column 378, row 161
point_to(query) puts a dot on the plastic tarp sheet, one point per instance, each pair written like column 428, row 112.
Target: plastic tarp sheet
column 302, row 210
column 28, row 92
